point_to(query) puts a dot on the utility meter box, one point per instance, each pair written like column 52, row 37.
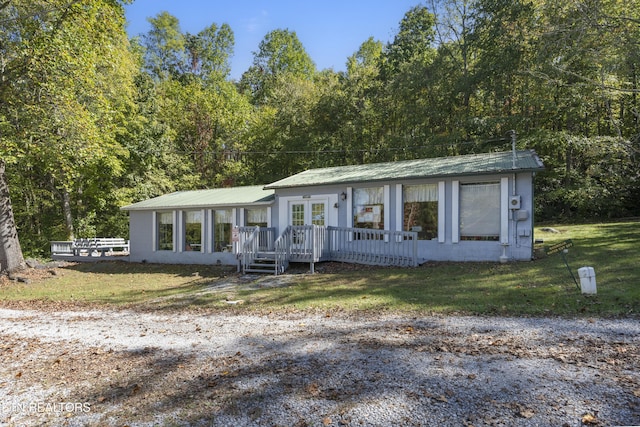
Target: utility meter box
column 587, row 280
column 514, row 202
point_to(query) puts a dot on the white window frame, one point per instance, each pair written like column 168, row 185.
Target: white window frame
column 154, row 238
column 503, row 202
column 183, row 234
column 441, row 208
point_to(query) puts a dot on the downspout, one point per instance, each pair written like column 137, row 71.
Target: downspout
column 513, row 215
column 513, row 188
column 533, row 219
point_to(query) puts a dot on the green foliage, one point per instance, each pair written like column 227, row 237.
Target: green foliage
column 412, row 42
column 593, row 177
column 279, row 54
column 170, row 54
column 93, row 118
column 165, row 46
column 68, row 107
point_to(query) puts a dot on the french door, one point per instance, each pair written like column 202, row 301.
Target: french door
column 307, row 212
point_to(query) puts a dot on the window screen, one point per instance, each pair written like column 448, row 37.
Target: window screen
column 480, row 211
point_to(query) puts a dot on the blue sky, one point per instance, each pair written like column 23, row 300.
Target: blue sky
column 330, row 30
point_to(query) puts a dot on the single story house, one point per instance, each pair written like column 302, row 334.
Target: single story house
column 476, row 207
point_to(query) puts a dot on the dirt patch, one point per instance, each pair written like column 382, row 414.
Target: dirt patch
column 106, row 367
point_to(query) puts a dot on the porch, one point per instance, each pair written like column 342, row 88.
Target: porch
column 258, row 250
column 83, row 249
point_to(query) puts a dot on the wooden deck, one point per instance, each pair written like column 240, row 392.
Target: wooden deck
column 314, row 244
column 91, row 258
column 90, row 250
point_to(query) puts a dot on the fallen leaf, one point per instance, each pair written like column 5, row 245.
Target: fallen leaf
column 326, row 421
column 526, row 413
column 589, row 419
column 313, row 389
column 442, row 398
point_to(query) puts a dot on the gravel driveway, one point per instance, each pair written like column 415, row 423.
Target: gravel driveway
column 120, row 368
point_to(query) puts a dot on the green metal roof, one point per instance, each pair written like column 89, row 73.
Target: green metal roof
column 471, row 164
column 218, row 197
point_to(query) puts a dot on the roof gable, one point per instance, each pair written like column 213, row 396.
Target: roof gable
column 217, row 197
column 471, row 164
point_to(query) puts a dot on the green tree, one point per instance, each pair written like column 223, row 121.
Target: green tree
column 202, row 120
column 361, row 103
column 413, row 41
column 164, row 47
column 403, row 101
column 209, row 52
column 292, row 103
column 68, row 87
column 209, row 121
column 279, row 53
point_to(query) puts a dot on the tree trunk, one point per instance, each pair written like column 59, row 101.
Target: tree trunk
column 11, row 258
column 68, row 216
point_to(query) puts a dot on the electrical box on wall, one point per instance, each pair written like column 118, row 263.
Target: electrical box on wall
column 514, row 202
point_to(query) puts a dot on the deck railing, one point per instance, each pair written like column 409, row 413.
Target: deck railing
column 282, row 247
column 311, row 243
column 249, row 243
column 374, row 247
column 266, row 236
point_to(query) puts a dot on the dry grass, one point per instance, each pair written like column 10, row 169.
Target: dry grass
column 540, row 287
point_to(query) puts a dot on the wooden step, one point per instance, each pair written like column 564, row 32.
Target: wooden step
column 259, row 270
column 265, row 262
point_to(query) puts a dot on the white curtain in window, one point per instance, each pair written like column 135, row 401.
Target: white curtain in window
column 193, row 217
column 256, row 216
column 165, row 218
column 368, row 196
column 223, row 216
column 421, row 193
column 480, row 209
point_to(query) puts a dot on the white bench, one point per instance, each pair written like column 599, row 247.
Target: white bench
column 100, row 244
column 61, row 248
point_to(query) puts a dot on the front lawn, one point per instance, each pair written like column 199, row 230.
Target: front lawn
column 540, row 287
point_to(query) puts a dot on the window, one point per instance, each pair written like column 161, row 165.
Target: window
column 297, row 214
column 480, row 211
column 193, row 231
column 222, row 224
column 368, row 208
column 165, row 231
column 421, row 210
column 317, row 214
column 256, row 217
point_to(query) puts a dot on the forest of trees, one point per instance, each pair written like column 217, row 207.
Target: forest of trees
column 91, row 120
